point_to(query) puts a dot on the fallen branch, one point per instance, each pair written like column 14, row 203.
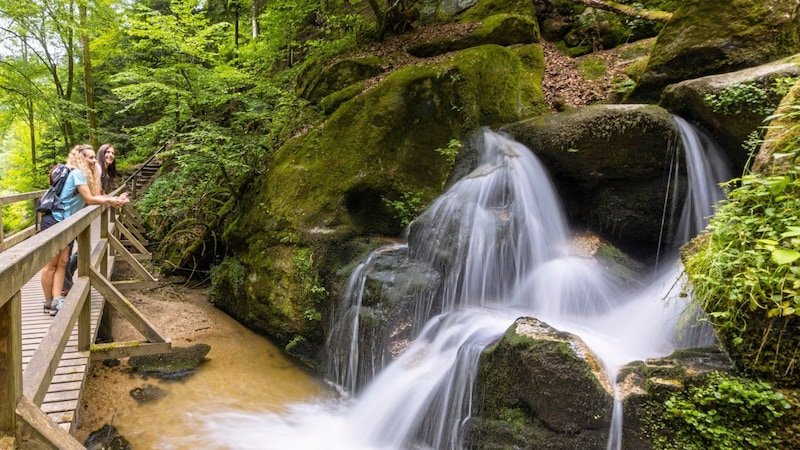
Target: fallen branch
column 649, row 14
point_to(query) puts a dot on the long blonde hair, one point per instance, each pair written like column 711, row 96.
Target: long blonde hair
column 76, row 160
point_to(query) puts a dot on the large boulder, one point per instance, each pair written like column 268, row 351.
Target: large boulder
column 706, row 37
column 733, row 106
column 540, row 388
column 326, row 190
column 609, row 164
column 500, row 29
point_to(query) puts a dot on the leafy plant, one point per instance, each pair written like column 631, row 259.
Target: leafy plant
column 723, row 412
column 406, row 209
column 451, row 151
column 740, row 98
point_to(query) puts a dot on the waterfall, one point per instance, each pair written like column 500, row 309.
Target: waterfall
column 491, row 249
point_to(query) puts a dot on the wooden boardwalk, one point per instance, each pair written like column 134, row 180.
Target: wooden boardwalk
column 64, row 395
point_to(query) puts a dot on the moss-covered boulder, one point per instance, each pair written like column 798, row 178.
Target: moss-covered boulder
column 540, row 388
column 578, row 29
column 706, row 37
column 320, row 81
column 327, row 190
column 482, row 9
column 608, row 162
column 500, row 29
column 781, row 148
column 733, row 106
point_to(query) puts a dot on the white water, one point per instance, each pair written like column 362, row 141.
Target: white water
column 499, row 242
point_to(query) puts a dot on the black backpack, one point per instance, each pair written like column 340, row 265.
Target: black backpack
column 51, row 200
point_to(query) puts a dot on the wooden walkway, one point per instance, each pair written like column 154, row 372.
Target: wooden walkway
column 64, row 395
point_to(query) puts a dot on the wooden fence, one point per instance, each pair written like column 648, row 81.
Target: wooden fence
column 22, row 393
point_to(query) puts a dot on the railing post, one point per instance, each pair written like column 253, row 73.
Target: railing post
column 84, row 263
column 10, row 362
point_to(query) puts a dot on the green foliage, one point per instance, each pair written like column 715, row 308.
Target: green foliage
column 750, row 259
column 741, row 98
column 406, row 209
column 451, row 151
column 722, row 412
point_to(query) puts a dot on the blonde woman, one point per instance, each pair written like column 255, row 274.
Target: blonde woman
column 80, row 189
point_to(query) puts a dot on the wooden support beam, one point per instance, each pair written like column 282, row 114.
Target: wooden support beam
column 43, row 432
column 130, row 226
column 130, row 259
column 123, row 232
column 115, row 350
column 115, row 298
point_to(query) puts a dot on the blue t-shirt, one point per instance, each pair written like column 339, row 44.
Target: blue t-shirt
column 72, row 200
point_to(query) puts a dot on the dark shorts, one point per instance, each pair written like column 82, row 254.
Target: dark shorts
column 47, row 221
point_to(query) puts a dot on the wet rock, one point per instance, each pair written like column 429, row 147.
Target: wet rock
column 538, row 385
column 608, row 162
column 732, row 118
column 107, row 438
column 178, row 363
column 147, row 393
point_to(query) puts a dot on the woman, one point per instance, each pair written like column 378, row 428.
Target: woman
column 107, row 167
column 81, row 189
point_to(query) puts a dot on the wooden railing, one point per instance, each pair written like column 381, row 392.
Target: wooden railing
column 19, row 236
column 21, row 393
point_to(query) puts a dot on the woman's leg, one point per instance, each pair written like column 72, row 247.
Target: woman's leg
column 60, row 270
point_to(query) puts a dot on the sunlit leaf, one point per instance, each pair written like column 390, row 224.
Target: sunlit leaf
column 784, row 256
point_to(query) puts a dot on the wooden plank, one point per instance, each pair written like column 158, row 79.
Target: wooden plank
column 116, row 350
column 128, row 257
column 125, row 307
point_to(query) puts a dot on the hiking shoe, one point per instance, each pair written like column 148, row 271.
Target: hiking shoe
column 48, row 305
column 56, row 305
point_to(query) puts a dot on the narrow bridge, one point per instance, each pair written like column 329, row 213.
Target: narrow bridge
column 44, row 360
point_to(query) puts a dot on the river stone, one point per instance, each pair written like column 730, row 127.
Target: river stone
column 107, row 438
column 147, row 393
column 608, row 163
column 731, row 125
column 538, row 387
column 178, row 363
column 706, row 37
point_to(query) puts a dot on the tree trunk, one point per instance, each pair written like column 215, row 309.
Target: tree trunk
column 88, row 81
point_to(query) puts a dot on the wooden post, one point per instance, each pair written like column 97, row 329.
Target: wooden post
column 84, row 267
column 10, row 362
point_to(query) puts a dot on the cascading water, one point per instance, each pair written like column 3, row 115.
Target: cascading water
column 493, row 248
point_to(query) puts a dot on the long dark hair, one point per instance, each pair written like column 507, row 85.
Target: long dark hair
column 107, row 173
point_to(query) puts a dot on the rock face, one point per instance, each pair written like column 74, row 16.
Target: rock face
column 324, row 191
column 732, row 106
column 779, row 151
column 711, row 37
column 609, row 163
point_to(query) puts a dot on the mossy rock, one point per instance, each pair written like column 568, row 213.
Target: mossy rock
column 538, row 385
column 326, row 190
column 333, row 101
column 732, row 106
column 782, row 138
column 178, row 363
column 488, row 8
column 320, row 81
column 710, row 37
column 500, row 29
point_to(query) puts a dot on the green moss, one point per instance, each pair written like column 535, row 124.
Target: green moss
column 592, row 68
column 332, row 101
column 487, row 8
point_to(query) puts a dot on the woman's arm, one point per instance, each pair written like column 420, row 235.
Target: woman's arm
column 91, row 199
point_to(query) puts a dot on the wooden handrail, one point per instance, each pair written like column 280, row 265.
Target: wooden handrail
column 21, row 235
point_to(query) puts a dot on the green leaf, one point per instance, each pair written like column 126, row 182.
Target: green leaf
column 784, row 256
